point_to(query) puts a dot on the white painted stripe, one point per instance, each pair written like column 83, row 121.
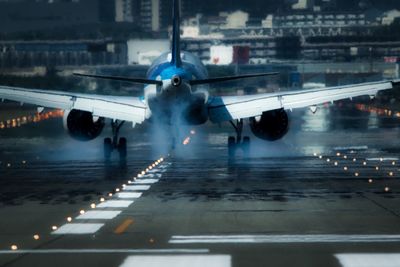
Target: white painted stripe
column 178, row 261
column 149, row 175
column 136, row 187
column 129, row 195
column 99, row 215
column 384, row 159
column 369, row 260
column 158, row 175
column 284, row 239
column 146, row 181
column 103, row 251
column 78, row 228
column 351, row 148
column 115, row 204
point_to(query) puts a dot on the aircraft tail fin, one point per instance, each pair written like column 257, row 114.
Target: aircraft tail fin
column 176, row 35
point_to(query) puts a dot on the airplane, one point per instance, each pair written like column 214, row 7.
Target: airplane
column 175, row 92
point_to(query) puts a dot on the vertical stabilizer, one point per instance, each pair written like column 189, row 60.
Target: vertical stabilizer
column 176, row 35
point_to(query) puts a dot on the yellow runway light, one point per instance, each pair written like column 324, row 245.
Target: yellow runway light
column 102, row 199
column 54, row 227
column 345, row 168
column 14, row 247
column 370, row 181
column 69, row 219
column 36, row 237
column 81, row 212
column 93, row 206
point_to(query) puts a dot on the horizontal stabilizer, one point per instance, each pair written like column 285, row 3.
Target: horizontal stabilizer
column 121, row 79
column 231, row 78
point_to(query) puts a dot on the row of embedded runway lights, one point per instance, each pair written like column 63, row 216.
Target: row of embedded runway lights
column 354, row 160
column 18, row 122
column 378, row 111
column 103, row 199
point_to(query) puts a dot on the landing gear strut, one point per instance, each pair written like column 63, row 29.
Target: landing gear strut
column 113, row 143
column 239, row 142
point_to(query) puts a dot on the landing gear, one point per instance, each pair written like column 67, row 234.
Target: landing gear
column 238, row 143
column 114, row 143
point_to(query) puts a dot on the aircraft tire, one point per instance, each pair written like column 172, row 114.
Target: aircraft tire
column 246, row 146
column 122, row 148
column 231, row 146
column 107, row 148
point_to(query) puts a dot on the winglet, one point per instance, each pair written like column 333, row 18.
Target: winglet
column 176, row 35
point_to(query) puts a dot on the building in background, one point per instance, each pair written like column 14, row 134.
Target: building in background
column 124, row 10
column 25, row 15
column 28, row 54
column 156, row 15
column 143, row 52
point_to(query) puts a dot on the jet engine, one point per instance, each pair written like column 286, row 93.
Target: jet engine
column 271, row 125
column 82, row 126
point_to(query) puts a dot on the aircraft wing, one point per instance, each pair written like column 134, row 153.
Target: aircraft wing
column 114, row 107
column 227, row 108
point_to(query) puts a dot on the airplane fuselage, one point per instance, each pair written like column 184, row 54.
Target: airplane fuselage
column 176, row 101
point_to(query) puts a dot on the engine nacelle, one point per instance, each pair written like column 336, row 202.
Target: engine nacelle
column 82, row 126
column 271, row 126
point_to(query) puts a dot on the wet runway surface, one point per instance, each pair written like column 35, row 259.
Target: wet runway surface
column 328, row 194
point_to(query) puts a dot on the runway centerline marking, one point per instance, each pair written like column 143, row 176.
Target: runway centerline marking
column 129, row 195
column 369, row 260
column 211, row 239
column 115, row 204
column 136, row 187
column 146, row 181
column 78, row 228
column 99, row 215
column 103, row 251
column 178, row 260
column 123, row 226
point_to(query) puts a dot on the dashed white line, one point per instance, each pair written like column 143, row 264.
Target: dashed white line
column 136, row 187
column 78, row 228
column 115, row 204
column 129, row 195
column 178, row 260
column 283, row 239
column 369, row 260
column 146, row 181
column 99, row 215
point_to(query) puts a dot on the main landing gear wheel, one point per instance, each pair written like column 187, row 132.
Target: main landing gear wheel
column 122, row 148
column 108, row 148
column 235, row 143
column 111, row 144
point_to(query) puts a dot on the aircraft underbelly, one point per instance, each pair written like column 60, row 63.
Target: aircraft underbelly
column 187, row 110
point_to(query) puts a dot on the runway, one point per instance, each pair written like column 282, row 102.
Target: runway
column 328, row 194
